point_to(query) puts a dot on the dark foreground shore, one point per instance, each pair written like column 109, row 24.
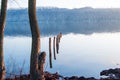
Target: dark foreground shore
column 111, row 74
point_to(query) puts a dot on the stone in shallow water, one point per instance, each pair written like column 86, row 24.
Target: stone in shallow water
column 111, row 73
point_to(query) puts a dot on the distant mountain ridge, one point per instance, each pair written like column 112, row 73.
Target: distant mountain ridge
column 53, row 20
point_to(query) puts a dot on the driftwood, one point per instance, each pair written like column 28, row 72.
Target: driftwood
column 50, row 53
column 41, row 63
column 54, row 48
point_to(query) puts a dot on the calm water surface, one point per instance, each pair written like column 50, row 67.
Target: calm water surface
column 81, row 55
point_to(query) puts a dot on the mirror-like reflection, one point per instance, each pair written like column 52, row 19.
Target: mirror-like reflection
column 55, row 20
column 82, row 55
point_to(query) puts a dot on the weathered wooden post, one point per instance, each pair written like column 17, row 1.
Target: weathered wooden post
column 58, row 41
column 36, row 68
column 59, row 36
column 41, row 64
column 57, row 45
column 50, row 53
column 54, row 48
column 2, row 26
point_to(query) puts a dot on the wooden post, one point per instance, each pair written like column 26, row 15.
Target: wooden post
column 54, row 48
column 41, row 63
column 2, row 26
column 58, row 41
column 57, row 45
column 59, row 37
column 50, row 53
column 35, row 50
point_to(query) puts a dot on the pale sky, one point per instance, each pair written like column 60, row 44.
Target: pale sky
column 67, row 3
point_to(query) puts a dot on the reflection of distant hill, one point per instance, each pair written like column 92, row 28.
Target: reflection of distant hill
column 54, row 20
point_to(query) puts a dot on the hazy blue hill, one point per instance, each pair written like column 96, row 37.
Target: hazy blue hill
column 53, row 20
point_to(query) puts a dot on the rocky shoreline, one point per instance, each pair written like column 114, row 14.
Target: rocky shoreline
column 111, row 74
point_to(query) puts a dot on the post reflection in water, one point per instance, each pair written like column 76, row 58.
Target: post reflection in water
column 82, row 55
